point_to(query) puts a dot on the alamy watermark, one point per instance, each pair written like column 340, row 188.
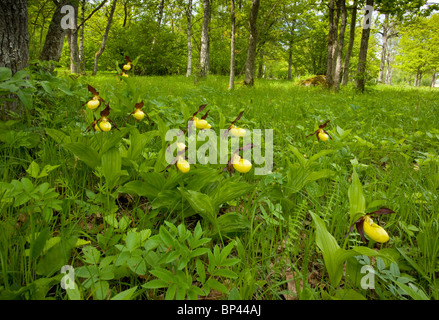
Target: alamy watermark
column 217, row 150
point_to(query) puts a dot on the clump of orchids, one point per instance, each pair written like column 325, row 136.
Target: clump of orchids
column 321, row 133
column 365, row 225
column 126, row 67
column 103, row 123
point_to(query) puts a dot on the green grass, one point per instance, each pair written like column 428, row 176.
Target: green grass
column 386, row 134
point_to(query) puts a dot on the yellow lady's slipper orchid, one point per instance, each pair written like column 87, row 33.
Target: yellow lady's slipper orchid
column 139, row 114
column 124, row 74
column 365, row 225
column 323, row 136
column 183, row 165
column 105, row 125
column 181, row 146
column 321, row 133
column 241, row 165
column 97, row 127
column 374, row 231
column 127, row 67
column 237, row 132
column 93, row 103
column 200, row 123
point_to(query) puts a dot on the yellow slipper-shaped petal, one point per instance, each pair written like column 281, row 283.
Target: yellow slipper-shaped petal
column 374, row 231
column 139, row 114
column 242, row 165
column 323, row 136
column 183, row 165
column 93, row 104
column 105, row 125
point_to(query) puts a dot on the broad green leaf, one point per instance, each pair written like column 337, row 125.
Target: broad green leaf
column 155, row 284
column 84, row 153
column 33, row 169
column 59, row 136
column 228, row 191
column 125, row 295
column 111, row 167
column 201, row 271
column 5, row 73
column 303, row 162
column 201, row 203
column 357, row 202
column 163, row 274
column 216, row 285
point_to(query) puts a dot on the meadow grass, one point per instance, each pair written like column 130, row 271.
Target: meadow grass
column 389, row 134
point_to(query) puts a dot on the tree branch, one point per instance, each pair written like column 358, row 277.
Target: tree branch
column 91, row 14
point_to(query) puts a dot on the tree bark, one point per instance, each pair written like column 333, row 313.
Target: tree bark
column 189, row 38
column 14, row 42
column 331, row 40
column 232, row 46
column 351, row 45
column 338, row 69
column 104, row 39
column 53, row 45
column 362, row 61
column 384, row 48
column 204, row 53
column 290, row 49
column 251, row 53
column 72, row 38
column 433, row 79
column 81, row 39
column 14, row 35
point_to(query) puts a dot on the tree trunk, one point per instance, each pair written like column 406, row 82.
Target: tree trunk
column 251, row 53
column 351, row 45
column 384, row 49
column 331, row 40
column 125, row 13
column 14, row 42
column 53, row 45
column 232, row 46
column 337, row 75
column 204, row 54
column 433, row 79
column 81, row 39
column 104, row 39
column 189, row 38
column 362, row 61
column 72, row 38
column 290, row 49
column 335, row 44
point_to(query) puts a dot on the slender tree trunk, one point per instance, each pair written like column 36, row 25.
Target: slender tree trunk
column 72, row 38
column 433, row 79
column 338, row 69
column 351, row 45
column 261, row 65
column 14, row 43
column 290, row 49
column 232, row 46
column 125, row 13
column 251, row 53
column 53, row 44
column 362, row 61
column 204, row 54
column 335, row 44
column 81, row 39
column 331, row 40
column 104, row 39
column 384, row 48
column 189, row 38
